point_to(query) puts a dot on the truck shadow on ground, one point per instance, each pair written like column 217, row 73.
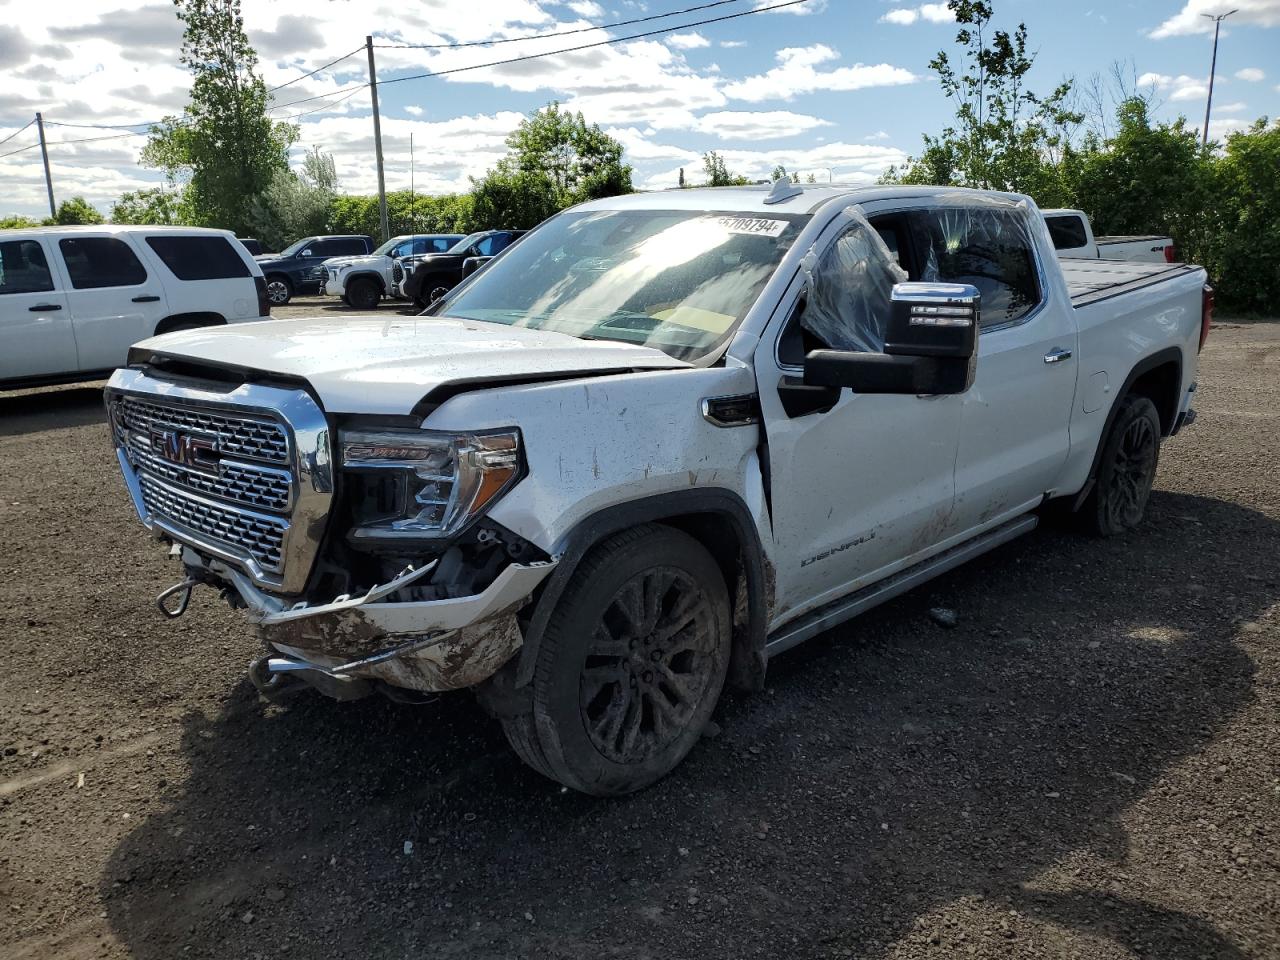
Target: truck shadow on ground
column 891, row 768
column 35, row 412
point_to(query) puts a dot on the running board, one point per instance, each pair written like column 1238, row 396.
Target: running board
column 836, row 613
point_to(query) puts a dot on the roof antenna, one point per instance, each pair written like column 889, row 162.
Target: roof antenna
column 784, row 188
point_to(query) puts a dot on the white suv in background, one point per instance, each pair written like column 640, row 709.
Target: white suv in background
column 74, row 299
column 362, row 281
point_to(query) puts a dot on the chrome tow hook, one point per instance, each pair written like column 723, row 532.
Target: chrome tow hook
column 183, row 590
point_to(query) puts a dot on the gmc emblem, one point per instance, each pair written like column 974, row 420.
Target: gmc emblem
column 194, row 453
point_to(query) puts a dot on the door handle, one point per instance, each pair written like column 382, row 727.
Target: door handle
column 1057, row 355
column 147, row 298
column 45, row 307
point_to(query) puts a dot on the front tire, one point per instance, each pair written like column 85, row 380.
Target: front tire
column 1126, row 471
column 279, row 290
column 631, row 665
column 363, row 294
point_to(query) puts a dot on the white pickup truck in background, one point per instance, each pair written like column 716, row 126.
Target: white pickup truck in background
column 661, row 440
column 1073, row 238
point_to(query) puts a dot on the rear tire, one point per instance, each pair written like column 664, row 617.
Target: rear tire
column 1126, row 471
column 279, row 290
column 631, row 664
column 363, row 294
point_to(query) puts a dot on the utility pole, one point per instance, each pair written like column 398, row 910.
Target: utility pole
column 413, row 209
column 1213, row 68
column 377, row 143
column 48, row 177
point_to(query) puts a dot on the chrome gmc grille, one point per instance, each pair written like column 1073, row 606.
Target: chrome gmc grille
column 259, row 536
column 249, row 486
column 247, row 436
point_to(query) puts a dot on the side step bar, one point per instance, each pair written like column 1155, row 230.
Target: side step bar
column 860, row 601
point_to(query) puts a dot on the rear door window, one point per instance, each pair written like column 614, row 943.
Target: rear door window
column 1067, row 232
column 339, row 247
column 199, row 258
column 23, row 268
column 94, row 262
column 988, row 247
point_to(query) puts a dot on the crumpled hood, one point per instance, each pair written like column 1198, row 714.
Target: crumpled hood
column 368, row 365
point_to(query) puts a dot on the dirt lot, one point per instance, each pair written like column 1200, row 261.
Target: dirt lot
column 1087, row 766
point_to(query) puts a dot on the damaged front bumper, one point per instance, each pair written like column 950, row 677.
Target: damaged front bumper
column 427, row 646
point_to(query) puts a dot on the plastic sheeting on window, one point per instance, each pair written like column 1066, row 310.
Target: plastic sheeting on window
column 850, row 287
column 985, row 241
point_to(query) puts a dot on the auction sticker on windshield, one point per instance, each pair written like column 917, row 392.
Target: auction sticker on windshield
column 754, row 226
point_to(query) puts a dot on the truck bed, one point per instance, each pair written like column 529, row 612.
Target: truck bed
column 1089, row 281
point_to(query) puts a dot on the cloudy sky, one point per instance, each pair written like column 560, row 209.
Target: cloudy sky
column 832, row 87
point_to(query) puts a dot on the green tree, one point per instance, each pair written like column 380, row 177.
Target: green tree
column 1246, row 264
column 581, row 161
column 717, row 174
column 75, row 211
column 1005, row 136
column 225, row 147
column 17, row 222
column 295, row 205
column 518, row 199
column 1150, row 178
column 152, row 205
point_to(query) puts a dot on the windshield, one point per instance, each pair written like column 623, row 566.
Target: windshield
column 677, row 280
column 294, row 247
column 465, row 242
column 385, row 249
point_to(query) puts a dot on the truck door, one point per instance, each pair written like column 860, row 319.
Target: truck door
column 114, row 302
column 1014, row 429
column 35, row 325
column 859, row 485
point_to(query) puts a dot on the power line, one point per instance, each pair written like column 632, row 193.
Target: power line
column 327, row 106
column 16, row 132
column 19, row 150
column 552, row 53
column 345, row 56
column 558, row 33
column 99, row 126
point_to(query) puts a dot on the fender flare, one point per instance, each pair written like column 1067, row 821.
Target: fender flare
column 1157, row 359
column 367, row 275
column 719, row 502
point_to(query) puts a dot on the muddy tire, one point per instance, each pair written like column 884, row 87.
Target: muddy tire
column 631, row 664
column 1126, row 470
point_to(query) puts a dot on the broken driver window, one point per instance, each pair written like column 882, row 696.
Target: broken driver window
column 850, row 284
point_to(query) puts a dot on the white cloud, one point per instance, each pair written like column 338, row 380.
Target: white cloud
column 585, row 8
column 732, row 44
column 1238, row 107
column 848, row 163
column 759, row 125
column 878, row 135
column 1251, row 75
column 796, row 73
column 688, row 41
column 800, row 9
column 1190, row 19
column 1181, row 87
column 413, row 110
column 932, row 12
column 903, row 16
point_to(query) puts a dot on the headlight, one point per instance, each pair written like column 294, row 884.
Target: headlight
column 424, row 483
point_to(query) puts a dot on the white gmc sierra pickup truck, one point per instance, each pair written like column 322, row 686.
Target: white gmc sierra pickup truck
column 661, row 440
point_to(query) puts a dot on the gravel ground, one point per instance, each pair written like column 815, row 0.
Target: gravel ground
column 1087, row 765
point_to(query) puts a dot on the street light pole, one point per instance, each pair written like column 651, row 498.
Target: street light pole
column 1213, row 68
